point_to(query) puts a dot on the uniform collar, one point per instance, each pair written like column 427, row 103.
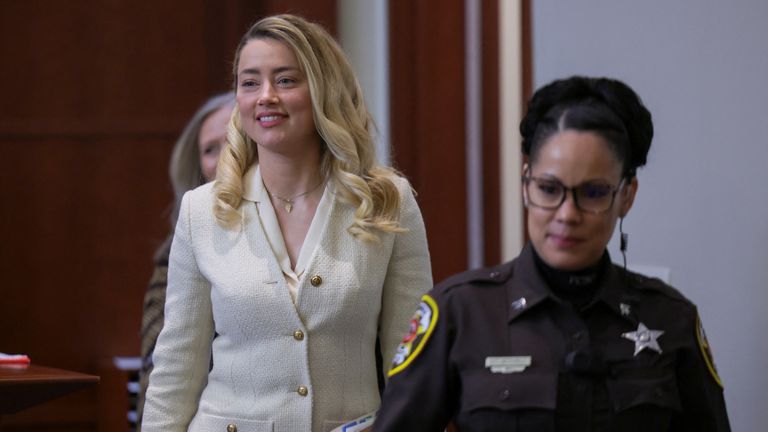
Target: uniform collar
column 526, row 289
column 615, row 293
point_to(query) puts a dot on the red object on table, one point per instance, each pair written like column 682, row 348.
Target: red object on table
column 14, row 359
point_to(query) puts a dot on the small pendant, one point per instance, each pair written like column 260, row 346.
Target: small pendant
column 288, row 207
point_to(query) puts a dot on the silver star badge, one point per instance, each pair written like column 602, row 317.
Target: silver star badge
column 644, row 338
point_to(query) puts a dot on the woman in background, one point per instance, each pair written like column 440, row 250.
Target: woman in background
column 193, row 163
column 302, row 253
column 561, row 339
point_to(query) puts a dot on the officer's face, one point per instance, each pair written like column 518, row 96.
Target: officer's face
column 566, row 237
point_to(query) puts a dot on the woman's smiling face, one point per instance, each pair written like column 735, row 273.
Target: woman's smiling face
column 274, row 99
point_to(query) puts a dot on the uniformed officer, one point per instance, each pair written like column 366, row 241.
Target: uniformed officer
column 561, row 339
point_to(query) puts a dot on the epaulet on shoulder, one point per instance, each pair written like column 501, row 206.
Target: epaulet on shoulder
column 476, row 277
column 643, row 282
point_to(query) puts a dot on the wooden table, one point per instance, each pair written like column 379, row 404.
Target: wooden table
column 24, row 387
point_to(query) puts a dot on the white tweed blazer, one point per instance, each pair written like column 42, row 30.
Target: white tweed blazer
column 279, row 367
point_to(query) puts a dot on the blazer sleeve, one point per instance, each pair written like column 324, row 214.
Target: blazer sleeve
column 409, row 275
column 152, row 321
column 182, row 354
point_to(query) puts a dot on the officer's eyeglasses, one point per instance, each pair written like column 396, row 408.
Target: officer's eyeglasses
column 590, row 197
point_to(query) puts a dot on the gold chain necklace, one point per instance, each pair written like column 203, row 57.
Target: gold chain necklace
column 288, row 202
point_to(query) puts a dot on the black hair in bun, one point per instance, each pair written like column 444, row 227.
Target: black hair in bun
column 601, row 105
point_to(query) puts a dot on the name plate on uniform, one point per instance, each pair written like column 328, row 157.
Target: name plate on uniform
column 506, row 365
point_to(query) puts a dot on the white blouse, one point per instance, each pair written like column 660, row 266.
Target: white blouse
column 258, row 193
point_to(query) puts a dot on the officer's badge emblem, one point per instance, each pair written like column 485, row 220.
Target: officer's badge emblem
column 706, row 351
column 421, row 326
column 625, row 309
column 644, row 338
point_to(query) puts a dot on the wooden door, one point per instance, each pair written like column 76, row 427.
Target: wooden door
column 428, row 117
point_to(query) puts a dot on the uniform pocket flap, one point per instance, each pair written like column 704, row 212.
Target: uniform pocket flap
column 483, row 389
column 628, row 392
column 212, row 423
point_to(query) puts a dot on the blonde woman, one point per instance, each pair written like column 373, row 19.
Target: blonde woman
column 193, row 163
column 303, row 253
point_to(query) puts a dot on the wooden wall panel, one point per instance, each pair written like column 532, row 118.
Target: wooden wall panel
column 83, row 221
column 526, row 28
column 91, row 67
column 319, row 11
column 427, row 118
column 527, row 77
column 427, row 53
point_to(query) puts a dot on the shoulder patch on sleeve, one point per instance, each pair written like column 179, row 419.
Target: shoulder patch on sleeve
column 706, row 351
column 421, row 326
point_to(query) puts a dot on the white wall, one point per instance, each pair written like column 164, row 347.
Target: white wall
column 364, row 35
column 702, row 208
column 510, row 113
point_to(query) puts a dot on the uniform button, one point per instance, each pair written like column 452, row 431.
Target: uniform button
column 578, row 336
column 316, row 280
column 504, row 395
column 298, row 335
column 303, row 391
column 495, row 274
column 231, row 427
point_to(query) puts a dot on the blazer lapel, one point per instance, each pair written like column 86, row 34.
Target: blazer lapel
column 258, row 245
column 331, row 225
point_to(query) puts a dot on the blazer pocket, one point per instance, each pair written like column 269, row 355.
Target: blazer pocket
column 211, row 423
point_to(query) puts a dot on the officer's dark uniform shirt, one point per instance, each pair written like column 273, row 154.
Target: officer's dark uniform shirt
column 496, row 350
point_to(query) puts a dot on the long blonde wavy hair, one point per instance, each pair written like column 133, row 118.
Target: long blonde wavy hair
column 342, row 121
